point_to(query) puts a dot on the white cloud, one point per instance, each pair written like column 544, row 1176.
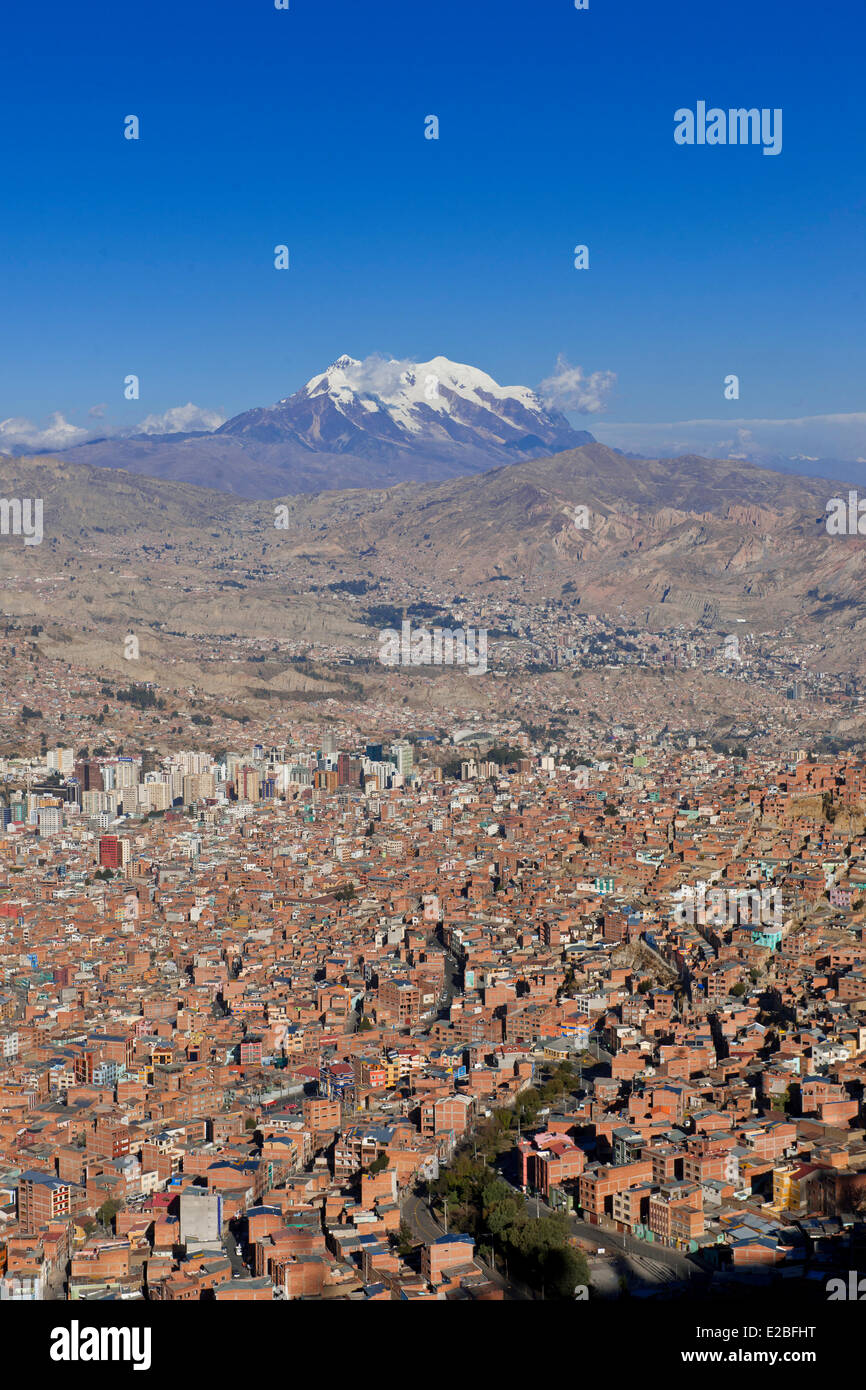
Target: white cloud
column 377, row 375
column 808, row 437
column 180, row 419
column 18, row 435
column 21, row 436
column 570, row 388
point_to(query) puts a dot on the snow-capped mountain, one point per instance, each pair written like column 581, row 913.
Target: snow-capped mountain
column 435, row 409
column 358, row 424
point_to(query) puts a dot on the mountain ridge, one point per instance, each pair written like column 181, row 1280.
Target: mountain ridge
column 358, row 424
column 670, row 541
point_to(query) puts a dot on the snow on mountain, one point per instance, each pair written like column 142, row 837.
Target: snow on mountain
column 435, row 408
column 406, row 390
column 371, row 423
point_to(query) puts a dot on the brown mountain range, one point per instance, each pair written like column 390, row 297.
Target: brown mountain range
column 688, row 541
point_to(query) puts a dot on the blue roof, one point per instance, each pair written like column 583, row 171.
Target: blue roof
column 46, row 1179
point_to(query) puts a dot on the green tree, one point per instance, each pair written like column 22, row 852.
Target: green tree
column 107, row 1212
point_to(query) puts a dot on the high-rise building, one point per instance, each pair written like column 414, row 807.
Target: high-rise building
column 403, row 757
column 42, row 1198
column 347, row 770
column 96, row 803
column 127, row 772
column 197, row 786
column 247, row 783
column 156, row 795
column 113, row 852
column 61, row 760
column 88, row 775
column 50, row 820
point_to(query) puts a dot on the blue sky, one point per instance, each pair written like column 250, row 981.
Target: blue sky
column 306, row 127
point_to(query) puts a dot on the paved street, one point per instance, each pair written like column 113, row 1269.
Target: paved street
column 229, row 1243
column 424, row 1226
column 650, row 1262
column 640, row 1251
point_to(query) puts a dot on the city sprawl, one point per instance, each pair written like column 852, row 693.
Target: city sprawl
column 433, row 686
column 266, row 1011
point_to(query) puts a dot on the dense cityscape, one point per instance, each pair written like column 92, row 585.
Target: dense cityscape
column 432, row 694
column 265, row 1012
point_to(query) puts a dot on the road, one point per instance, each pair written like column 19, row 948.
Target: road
column 646, row 1261
column 424, row 1226
column 641, row 1252
column 229, row 1244
column 452, row 973
column 655, row 1263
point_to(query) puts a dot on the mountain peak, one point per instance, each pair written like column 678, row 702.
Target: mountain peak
column 387, row 409
column 373, row 422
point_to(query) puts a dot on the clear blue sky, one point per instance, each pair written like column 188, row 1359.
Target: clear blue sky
column 306, row 127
